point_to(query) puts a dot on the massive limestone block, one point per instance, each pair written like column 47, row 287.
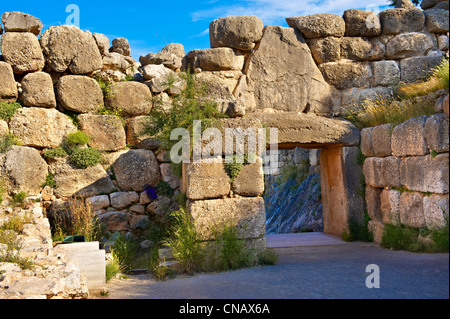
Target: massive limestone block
column 121, row 46
column 115, row 221
column 114, row 61
column 390, row 206
column 131, row 98
column 79, row 93
column 21, row 22
column 25, row 170
column 250, row 180
column 37, row 90
column 102, row 43
column 282, row 74
column 40, row 127
column 418, row 68
column 122, row 200
column 206, row 180
column 318, row 25
column 361, row 49
column 22, row 51
column 166, row 58
column 8, row 87
column 399, row 20
column 135, row 169
column 346, row 74
column 411, row 209
column 436, row 210
column 248, row 215
column 381, row 140
column 382, row 171
column 406, row 45
column 106, row 131
column 425, row 173
column 361, row 23
column 408, row 138
column 91, row 181
column 236, row 32
column 372, row 197
column 428, row 4
column 436, row 133
column 325, row 49
column 66, row 47
column 218, row 59
column 436, row 20
column 308, row 130
column 385, row 73
column 174, row 48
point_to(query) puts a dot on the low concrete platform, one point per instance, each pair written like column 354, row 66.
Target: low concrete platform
column 302, row 240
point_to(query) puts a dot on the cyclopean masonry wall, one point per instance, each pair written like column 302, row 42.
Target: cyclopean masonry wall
column 407, row 173
column 291, row 78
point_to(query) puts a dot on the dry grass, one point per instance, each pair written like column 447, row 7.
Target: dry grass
column 409, row 100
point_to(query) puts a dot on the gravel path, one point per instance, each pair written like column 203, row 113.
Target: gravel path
column 321, row 272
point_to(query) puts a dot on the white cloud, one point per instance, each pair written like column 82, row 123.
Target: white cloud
column 201, row 34
column 274, row 11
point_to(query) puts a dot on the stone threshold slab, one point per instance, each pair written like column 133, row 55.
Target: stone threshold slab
column 302, row 240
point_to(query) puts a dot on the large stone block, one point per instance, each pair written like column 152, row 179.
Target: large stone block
column 318, row 25
column 66, row 47
column 79, row 93
column 241, row 32
column 418, row 68
column 399, row 20
column 366, row 142
column 25, row 170
column 246, row 214
column 390, row 206
column 75, row 181
column 130, row 98
column 134, row 169
column 37, row 90
column 307, row 129
column 22, row 51
column 408, row 138
column 381, row 140
column 436, row 210
column 106, row 131
column 411, row 209
column 122, row 200
column 295, row 83
column 41, row 127
column 8, row 87
column 425, row 173
column 250, row 181
column 206, row 180
column 385, row 73
column 436, row 20
column 325, row 49
column 21, row 22
column 436, row 133
column 115, row 220
column 361, row 23
column 346, row 74
column 98, row 202
column 362, row 48
column 136, row 129
column 407, row 45
column 382, row 171
column 219, row 59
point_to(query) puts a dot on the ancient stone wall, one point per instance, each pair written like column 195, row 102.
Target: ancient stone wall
column 407, row 173
column 252, row 69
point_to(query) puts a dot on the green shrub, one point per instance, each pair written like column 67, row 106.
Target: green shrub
column 85, row 157
column 55, row 152
column 114, row 266
column 192, row 104
column 184, row 241
column 232, row 251
column 50, row 181
column 7, row 110
column 8, row 140
column 126, row 251
column 13, row 244
column 358, row 231
column 77, row 138
column 164, row 189
column 19, row 198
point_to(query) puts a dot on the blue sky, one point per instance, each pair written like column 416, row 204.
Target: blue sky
column 150, row 25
